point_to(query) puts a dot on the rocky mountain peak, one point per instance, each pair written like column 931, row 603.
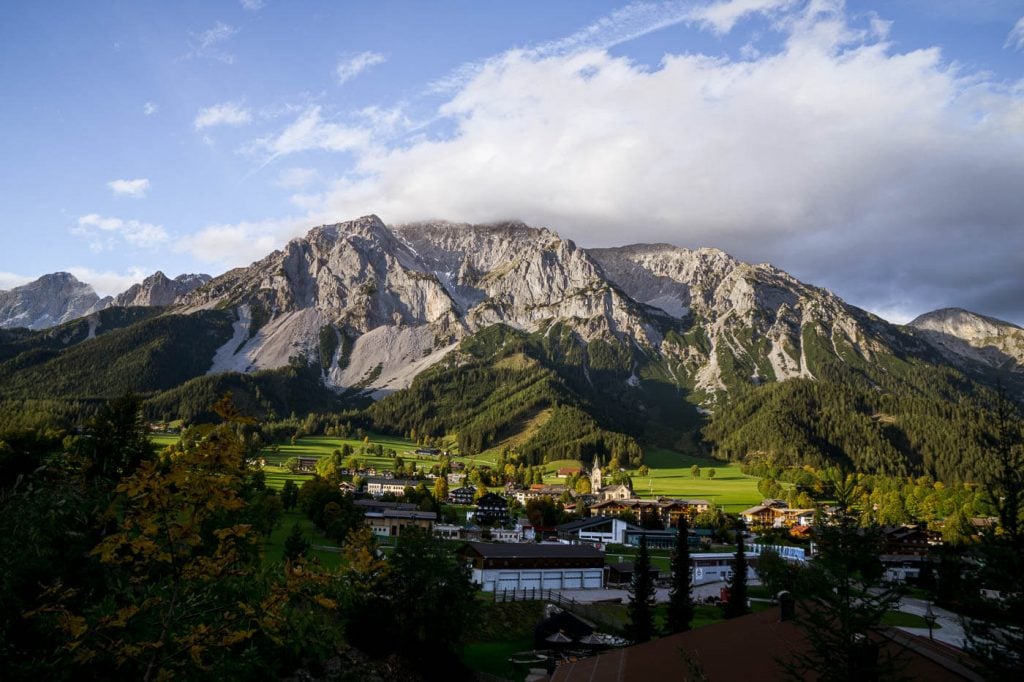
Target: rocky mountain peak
column 48, row 301
column 961, row 335
column 160, row 290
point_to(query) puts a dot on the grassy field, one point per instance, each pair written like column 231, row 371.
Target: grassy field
column 670, row 476
column 670, row 471
column 273, row 549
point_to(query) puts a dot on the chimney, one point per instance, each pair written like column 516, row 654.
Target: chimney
column 787, row 606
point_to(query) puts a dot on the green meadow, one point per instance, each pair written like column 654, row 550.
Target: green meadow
column 669, row 476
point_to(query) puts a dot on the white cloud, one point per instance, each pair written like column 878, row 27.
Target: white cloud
column 232, row 245
column 351, row 66
column 9, row 280
column 835, row 143
column 253, row 5
column 311, row 132
column 133, row 188
column 226, row 113
column 150, row 108
column 722, row 16
column 105, row 233
column 109, row 282
column 1016, row 37
column 209, row 43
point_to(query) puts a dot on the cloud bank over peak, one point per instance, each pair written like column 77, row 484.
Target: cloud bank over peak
column 889, row 175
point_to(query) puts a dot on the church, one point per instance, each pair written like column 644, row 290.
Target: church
column 611, row 492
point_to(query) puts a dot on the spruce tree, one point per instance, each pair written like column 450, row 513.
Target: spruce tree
column 680, row 601
column 844, row 599
column 737, row 604
column 641, row 596
column 296, row 546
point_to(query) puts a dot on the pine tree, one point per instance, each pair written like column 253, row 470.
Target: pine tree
column 641, row 596
column 296, row 546
column 680, row 602
column 844, row 599
column 737, row 604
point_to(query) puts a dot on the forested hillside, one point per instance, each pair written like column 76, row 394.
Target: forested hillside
column 893, row 415
column 498, row 383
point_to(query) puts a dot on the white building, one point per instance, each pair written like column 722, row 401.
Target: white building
column 505, row 567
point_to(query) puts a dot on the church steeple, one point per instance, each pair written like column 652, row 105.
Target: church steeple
column 595, row 476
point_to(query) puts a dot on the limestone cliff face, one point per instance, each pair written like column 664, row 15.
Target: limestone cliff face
column 391, row 301
column 378, row 304
column 750, row 318
column 48, row 301
column 961, row 335
column 160, row 290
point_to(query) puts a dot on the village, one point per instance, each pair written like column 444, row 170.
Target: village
column 577, row 551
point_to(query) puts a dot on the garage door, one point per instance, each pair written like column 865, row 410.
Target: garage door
column 508, row 581
column 591, row 580
column 552, row 580
column 530, row 580
column 572, row 580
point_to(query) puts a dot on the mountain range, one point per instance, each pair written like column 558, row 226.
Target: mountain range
column 653, row 341
column 60, row 297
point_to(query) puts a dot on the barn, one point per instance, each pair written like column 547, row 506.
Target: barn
column 531, row 566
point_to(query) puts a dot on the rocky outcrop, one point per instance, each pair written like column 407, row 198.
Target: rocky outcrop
column 961, row 335
column 751, row 319
column 48, row 301
column 159, row 290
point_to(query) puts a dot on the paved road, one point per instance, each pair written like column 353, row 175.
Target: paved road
column 951, row 632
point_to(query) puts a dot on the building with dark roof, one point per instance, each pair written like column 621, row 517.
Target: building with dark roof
column 532, row 566
column 748, row 648
column 491, row 508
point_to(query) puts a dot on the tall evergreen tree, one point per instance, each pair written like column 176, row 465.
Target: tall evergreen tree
column 641, row 596
column 680, row 601
column 844, row 599
column 296, row 546
column 737, row 604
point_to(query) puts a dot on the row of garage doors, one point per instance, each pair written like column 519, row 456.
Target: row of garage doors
column 570, row 579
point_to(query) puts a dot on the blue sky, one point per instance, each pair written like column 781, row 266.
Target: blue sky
column 875, row 148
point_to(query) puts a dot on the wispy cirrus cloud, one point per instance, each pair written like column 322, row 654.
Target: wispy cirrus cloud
column 150, row 108
column 136, row 188
column 105, row 233
column 209, row 44
column 351, row 66
column 253, row 5
column 1015, row 39
column 225, row 113
column 311, row 131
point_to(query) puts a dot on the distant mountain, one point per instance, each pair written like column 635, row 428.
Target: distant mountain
column 510, row 336
column 48, row 301
column 59, row 297
column 159, row 290
column 961, row 335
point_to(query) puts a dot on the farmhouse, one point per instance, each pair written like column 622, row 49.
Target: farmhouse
column 666, row 511
column 463, row 495
column 491, row 508
column 532, row 566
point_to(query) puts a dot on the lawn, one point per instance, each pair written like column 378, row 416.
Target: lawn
column 670, row 477
column 492, row 657
column 273, row 549
column 906, row 620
